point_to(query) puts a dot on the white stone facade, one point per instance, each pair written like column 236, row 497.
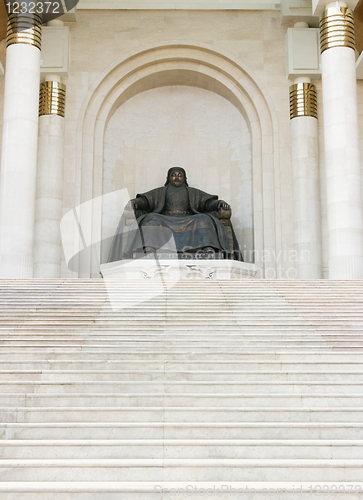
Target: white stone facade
column 227, row 70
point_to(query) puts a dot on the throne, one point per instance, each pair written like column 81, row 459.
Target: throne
column 223, row 215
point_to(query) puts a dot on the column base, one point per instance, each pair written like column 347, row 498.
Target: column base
column 346, row 268
column 16, row 266
column 308, row 272
column 51, row 271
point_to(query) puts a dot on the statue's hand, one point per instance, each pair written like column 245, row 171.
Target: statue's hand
column 224, row 205
column 131, row 206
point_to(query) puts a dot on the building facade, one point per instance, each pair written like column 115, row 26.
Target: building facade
column 260, row 102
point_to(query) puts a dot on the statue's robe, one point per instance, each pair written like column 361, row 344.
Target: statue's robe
column 153, row 228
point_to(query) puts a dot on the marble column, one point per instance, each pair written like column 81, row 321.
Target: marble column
column 344, row 188
column 49, row 192
column 19, row 146
column 305, row 172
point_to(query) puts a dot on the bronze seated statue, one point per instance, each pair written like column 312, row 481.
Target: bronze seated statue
column 176, row 218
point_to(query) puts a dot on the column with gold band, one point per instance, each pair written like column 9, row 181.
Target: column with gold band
column 343, row 176
column 303, row 100
column 49, row 196
column 305, row 173
column 52, row 98
column 19, row 145
column 336, row 28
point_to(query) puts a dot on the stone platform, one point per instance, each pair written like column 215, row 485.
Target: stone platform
column 174, row 269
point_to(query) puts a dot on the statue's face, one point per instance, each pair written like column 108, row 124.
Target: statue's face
column 177, row 178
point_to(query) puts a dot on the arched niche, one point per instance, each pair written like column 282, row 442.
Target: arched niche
column 178, row 125
column 196, row 66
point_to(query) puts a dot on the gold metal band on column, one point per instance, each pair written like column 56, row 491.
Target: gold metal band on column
column 24, row 28
column 52, row 98
column 336, row 28
column 303, row 100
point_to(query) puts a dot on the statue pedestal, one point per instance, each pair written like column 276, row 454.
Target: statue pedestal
column 169, row 269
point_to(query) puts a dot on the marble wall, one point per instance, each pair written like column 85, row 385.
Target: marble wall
column 179, row 125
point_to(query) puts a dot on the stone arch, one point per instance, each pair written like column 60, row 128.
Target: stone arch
column 193, row 65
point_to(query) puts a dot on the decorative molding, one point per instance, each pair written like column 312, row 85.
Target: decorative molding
column 179, row 5
column 336, row 28
column 24, row 28
column 52, row 98
column 293, row 11
column 303, row 100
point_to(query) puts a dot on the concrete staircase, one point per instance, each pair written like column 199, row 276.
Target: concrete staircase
column 252, row 384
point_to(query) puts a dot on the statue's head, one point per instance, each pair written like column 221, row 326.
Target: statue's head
column 176, row 177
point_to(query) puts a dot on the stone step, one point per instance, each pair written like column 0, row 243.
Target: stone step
column 321, row 312
column 166, row 339
column 263, row 400
column 234, row 331
column 64, row 310
column 157, row 337
column 295, row 322
column 240, row 293
column 51, row 365
column 234, row 327
column 166, row 374
column 48, row 299
column 186, row 357
column 213, row 286
column 234, row 289
column 243, row 345
column 181, row 325
column 165, row 336
column 187, row 299
column 189, row 317
column 129, row 353
column 180, row 414
column 98, row 284
column 49, row 340
column 224, row 309
column 184, row 387
column 121, row 490
column 86, row 351
column 182, row 430
column 184, row 448
column 181, row 469
column 198, row 311
column 234, row 295
column 235, row 347
column 174, row 349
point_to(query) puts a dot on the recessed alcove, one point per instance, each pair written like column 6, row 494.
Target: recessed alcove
column 179, row 125
column 202, row 71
